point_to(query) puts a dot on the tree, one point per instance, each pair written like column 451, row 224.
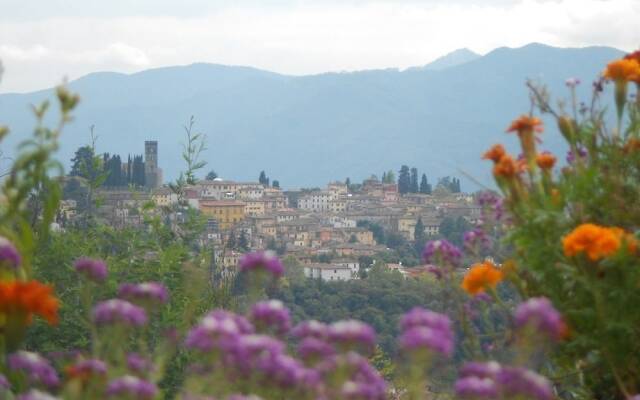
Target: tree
column 413, row 186
column 82, row 163
column 388, row 177
column 353, row 239
column 347, row 182
column 425, row 187
column 262, row 179
column 404, row 180
column 211, row 175
column 418, row 235
column 191, row 152
column 276, row 184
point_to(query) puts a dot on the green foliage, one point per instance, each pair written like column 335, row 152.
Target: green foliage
column 598, row 297
column 453, row 229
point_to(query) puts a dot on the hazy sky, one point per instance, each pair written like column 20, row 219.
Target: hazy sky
column 43, row 41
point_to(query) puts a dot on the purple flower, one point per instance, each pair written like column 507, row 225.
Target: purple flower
column 93, row 269
column 9, row 255
column 4, row 383
column 250, row 352
column 636, row 397
column 476, row 239
column 271, row 315
column 88, row 367
column 571, row 157
column 441, row 251
column 480, row 370
column 262, row 260
column 282, row 370
column 116, row 311
column 216, row 330
column 36, row 368
column 312, row 350
column 131, row 386
column 435, row 270
column 138, row 364
column 521, row 382
column 539, row 314
column 419, row 316
column 144, row 293
column 243, row 397
column 362, row 380
column 474, row 387
column 421, row 337
column 572, row 82
column 350, row 334
column 311, row 328
column 34, row 394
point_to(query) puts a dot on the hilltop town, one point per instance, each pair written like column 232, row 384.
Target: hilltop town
column 330, row 230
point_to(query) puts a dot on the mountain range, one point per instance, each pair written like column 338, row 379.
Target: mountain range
column 308, row 130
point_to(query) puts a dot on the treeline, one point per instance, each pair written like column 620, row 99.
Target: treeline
column 109, row 170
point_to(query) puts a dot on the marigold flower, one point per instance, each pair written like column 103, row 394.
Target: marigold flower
column 525, row 123
column 506, row 167
column 480, row 277
column 546, row 160
column 495, row 153
column 623, row 70
column 594, row 240
column 28, row 298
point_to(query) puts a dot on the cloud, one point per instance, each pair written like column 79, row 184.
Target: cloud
column 295, row 37
column 17, row 53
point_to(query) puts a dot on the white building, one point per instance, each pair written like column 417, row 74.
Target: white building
column 328, row 272
column 316, row 201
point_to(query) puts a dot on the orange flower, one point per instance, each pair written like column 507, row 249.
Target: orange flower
column 594, row 240
column 525, row 123
column 480, row 277
column 506, row 167
column 546, row 161
column 28, row 298
column 623, row 70
column 495, row 153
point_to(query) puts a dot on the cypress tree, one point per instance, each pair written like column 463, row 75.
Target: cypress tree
column 404, row 180
column 414, row 187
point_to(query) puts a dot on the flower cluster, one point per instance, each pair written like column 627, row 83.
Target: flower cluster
column 132, row 387
column 117, row 311
column 270, row 315
column 596, row 241
column 23, row 299
column 262, row 260
column 422, row 329
column 9, row 255
column 491, row 380
column 36, row 368
column 93, row 269
column 481, row 277
column 441, row 251
column 148, row 293
column 538, row 314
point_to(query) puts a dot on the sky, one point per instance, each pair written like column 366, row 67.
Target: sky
column 43, row 42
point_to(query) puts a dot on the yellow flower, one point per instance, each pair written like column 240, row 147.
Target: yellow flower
column 481, row 277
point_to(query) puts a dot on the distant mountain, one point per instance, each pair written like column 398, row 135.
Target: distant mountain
column 311, row 129
column 456, row 57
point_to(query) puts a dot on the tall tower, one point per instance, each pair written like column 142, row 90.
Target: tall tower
column 153, row 175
